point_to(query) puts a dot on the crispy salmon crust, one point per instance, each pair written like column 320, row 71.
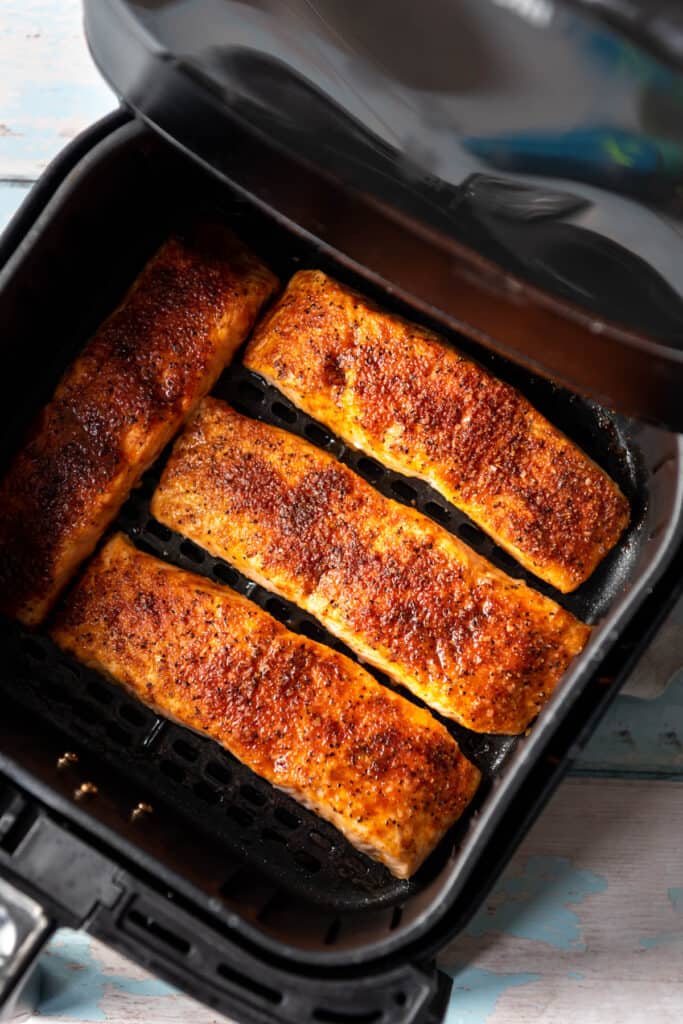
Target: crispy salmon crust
column 398, row 392
column 403, row 593
column 118, row 405
column 300, row 715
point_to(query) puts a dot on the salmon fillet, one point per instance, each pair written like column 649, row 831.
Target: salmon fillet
column 406, row 595
column 397, row 392
column 118, row 405
column 300, row 715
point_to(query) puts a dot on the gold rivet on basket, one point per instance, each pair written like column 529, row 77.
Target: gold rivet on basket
column 67, row 760
column 85, row 790
column 140, row 811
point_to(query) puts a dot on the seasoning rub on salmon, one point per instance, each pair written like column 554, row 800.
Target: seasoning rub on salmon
column 397, row 392
column 118, row 405
column 403, row 593
column 300, row 715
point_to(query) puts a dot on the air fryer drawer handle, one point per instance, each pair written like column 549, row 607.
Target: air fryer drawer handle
column 50, row 877
column 222, row 972
column 24, row 930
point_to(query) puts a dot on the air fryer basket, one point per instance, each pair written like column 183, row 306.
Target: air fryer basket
column 219, row 837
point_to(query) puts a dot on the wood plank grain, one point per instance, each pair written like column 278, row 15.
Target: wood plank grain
column 639, row 737
column 49, row 87
column 587, row 922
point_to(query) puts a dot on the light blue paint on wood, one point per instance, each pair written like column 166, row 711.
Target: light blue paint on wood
column 11, row 195
column 73, row 984
column 536, row 903
column 576, row 974
column 675, row 895
column 639, row 736
column 476, row 993
column 663, row 939
column 50, row 87
column 667, row 938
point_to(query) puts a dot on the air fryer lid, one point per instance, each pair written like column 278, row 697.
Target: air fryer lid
column 510, row 168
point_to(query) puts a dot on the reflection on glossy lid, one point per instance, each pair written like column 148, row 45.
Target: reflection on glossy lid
column 523, row 131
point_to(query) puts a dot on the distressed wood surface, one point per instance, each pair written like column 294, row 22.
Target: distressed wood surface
column 587, row 923
column 49, row 87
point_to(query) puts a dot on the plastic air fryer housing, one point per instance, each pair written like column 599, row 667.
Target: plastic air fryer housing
column 511, row 168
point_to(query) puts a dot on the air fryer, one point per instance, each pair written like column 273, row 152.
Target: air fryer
column 504, row 172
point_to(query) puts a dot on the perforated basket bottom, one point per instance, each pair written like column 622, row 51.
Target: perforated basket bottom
column 288, row 846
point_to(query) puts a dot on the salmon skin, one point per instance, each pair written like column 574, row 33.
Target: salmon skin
column 302, row 716
column 118, row 405
column 398, row 392
column 406, row 595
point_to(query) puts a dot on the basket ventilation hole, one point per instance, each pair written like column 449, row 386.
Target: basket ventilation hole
column 277, row 608
column 55, row 691
column 317, row 435
column 369, row 469
column 436, row 511
column 238, row 814
column 225, row 575
column 250, row 392
column 242, row 981
column 218, row 772
column 132, row 714
column 192, row 552
column 311, row 630
column 241, row 407
column 472, row 535
column 172, row 771
column 184, row 750
column 273, row 835
column 404, row 491
column 100, row 693
column 119, row 735
column 320, row 840
column 85, row 711
column 286, row 818
column 149, row 549
column 205, row 792
column 507, row 560
column 283, row 412
column 307, row 861
column 152, row 927
column 252, row 795
column 158, row 530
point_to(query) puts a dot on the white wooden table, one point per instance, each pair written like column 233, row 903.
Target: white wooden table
column 587, row 923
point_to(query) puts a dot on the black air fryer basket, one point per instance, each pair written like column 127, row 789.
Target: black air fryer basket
column 153, row 838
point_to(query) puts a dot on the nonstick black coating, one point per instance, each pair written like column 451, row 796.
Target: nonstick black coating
column 287, row 845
